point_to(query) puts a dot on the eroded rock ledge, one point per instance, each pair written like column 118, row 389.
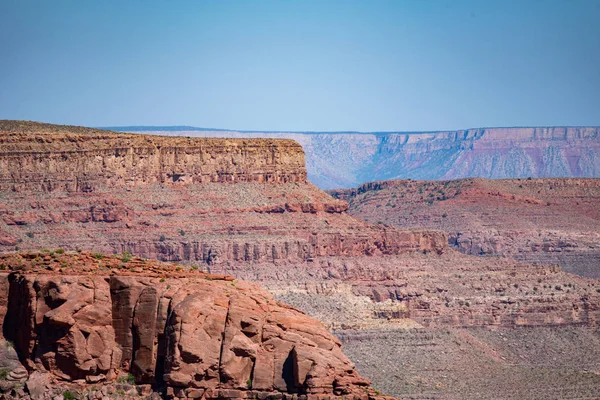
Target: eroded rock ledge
column 44, row 157
column 87, row 319
column 199, row 201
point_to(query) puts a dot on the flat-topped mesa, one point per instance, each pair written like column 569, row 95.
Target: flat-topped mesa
column 200, row 201
column 36, row 156
column 539, row 220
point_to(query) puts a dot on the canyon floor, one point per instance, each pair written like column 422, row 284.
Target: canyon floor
column 419, row 318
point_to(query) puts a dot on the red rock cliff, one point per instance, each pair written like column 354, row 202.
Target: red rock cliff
column 192, row 334
column 47, row 157
column 197, row 200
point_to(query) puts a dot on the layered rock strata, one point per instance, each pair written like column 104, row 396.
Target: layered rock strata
column 301, row 244
column 43, row 157
column 348, row 159
column 203, row 201
column 549, row 221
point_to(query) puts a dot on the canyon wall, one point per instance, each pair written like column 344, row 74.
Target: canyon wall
column 297, row 241
column 203, row 201
column 548, row 221
column 45, row 157
column 347, row 159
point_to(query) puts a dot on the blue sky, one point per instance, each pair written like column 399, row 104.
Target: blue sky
column 302, row 65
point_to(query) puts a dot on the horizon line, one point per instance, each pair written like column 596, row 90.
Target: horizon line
column 174, row 128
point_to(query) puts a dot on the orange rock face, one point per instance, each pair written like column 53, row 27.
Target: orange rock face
column 182, row 330
column 81, row 160
column 206, row 335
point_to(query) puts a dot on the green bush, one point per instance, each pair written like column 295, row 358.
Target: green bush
column 126, row 379
column 68, row 395
column 4, row 373
column 162, row 238
column 98, row 256
column 126, row 257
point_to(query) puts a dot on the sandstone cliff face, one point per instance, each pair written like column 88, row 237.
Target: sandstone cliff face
column 192, row 334
column 347, row 159
column 550, row 221
column 47, row 157
column 202, row 201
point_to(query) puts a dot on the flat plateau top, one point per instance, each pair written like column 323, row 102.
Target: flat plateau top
column 18, row 136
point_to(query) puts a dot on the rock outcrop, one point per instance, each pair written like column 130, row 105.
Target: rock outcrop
column 43, row 157
column 548, row 221
column 201, row 201
column 189, row 334
column 295, row 240
column 348, row 159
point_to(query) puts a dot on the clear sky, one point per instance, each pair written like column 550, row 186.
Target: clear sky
column 302, row 65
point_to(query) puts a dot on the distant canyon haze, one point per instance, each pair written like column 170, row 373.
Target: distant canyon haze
column 348, row 159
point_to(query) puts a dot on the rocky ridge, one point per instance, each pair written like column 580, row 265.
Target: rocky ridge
column 549, row 221
column 249, row 200
column 43, row 157
column 81, row 319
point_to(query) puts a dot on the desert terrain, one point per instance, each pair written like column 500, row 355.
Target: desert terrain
column 415, row 316
column 548, row 221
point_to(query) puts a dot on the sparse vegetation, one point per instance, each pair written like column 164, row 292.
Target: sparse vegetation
column 98, row 256
column 130, row 379
column 126, row 257
column 162, row 238
column 68, row 395
column 4, row 373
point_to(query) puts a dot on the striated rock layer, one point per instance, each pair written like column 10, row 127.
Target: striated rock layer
column 549, row 221
column 189, row 334
column 43, row 157
column 301, row 245
column 204, row 201
column 348, row 159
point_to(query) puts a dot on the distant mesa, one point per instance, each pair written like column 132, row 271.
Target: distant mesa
column 348, row 159
column 543, row 220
